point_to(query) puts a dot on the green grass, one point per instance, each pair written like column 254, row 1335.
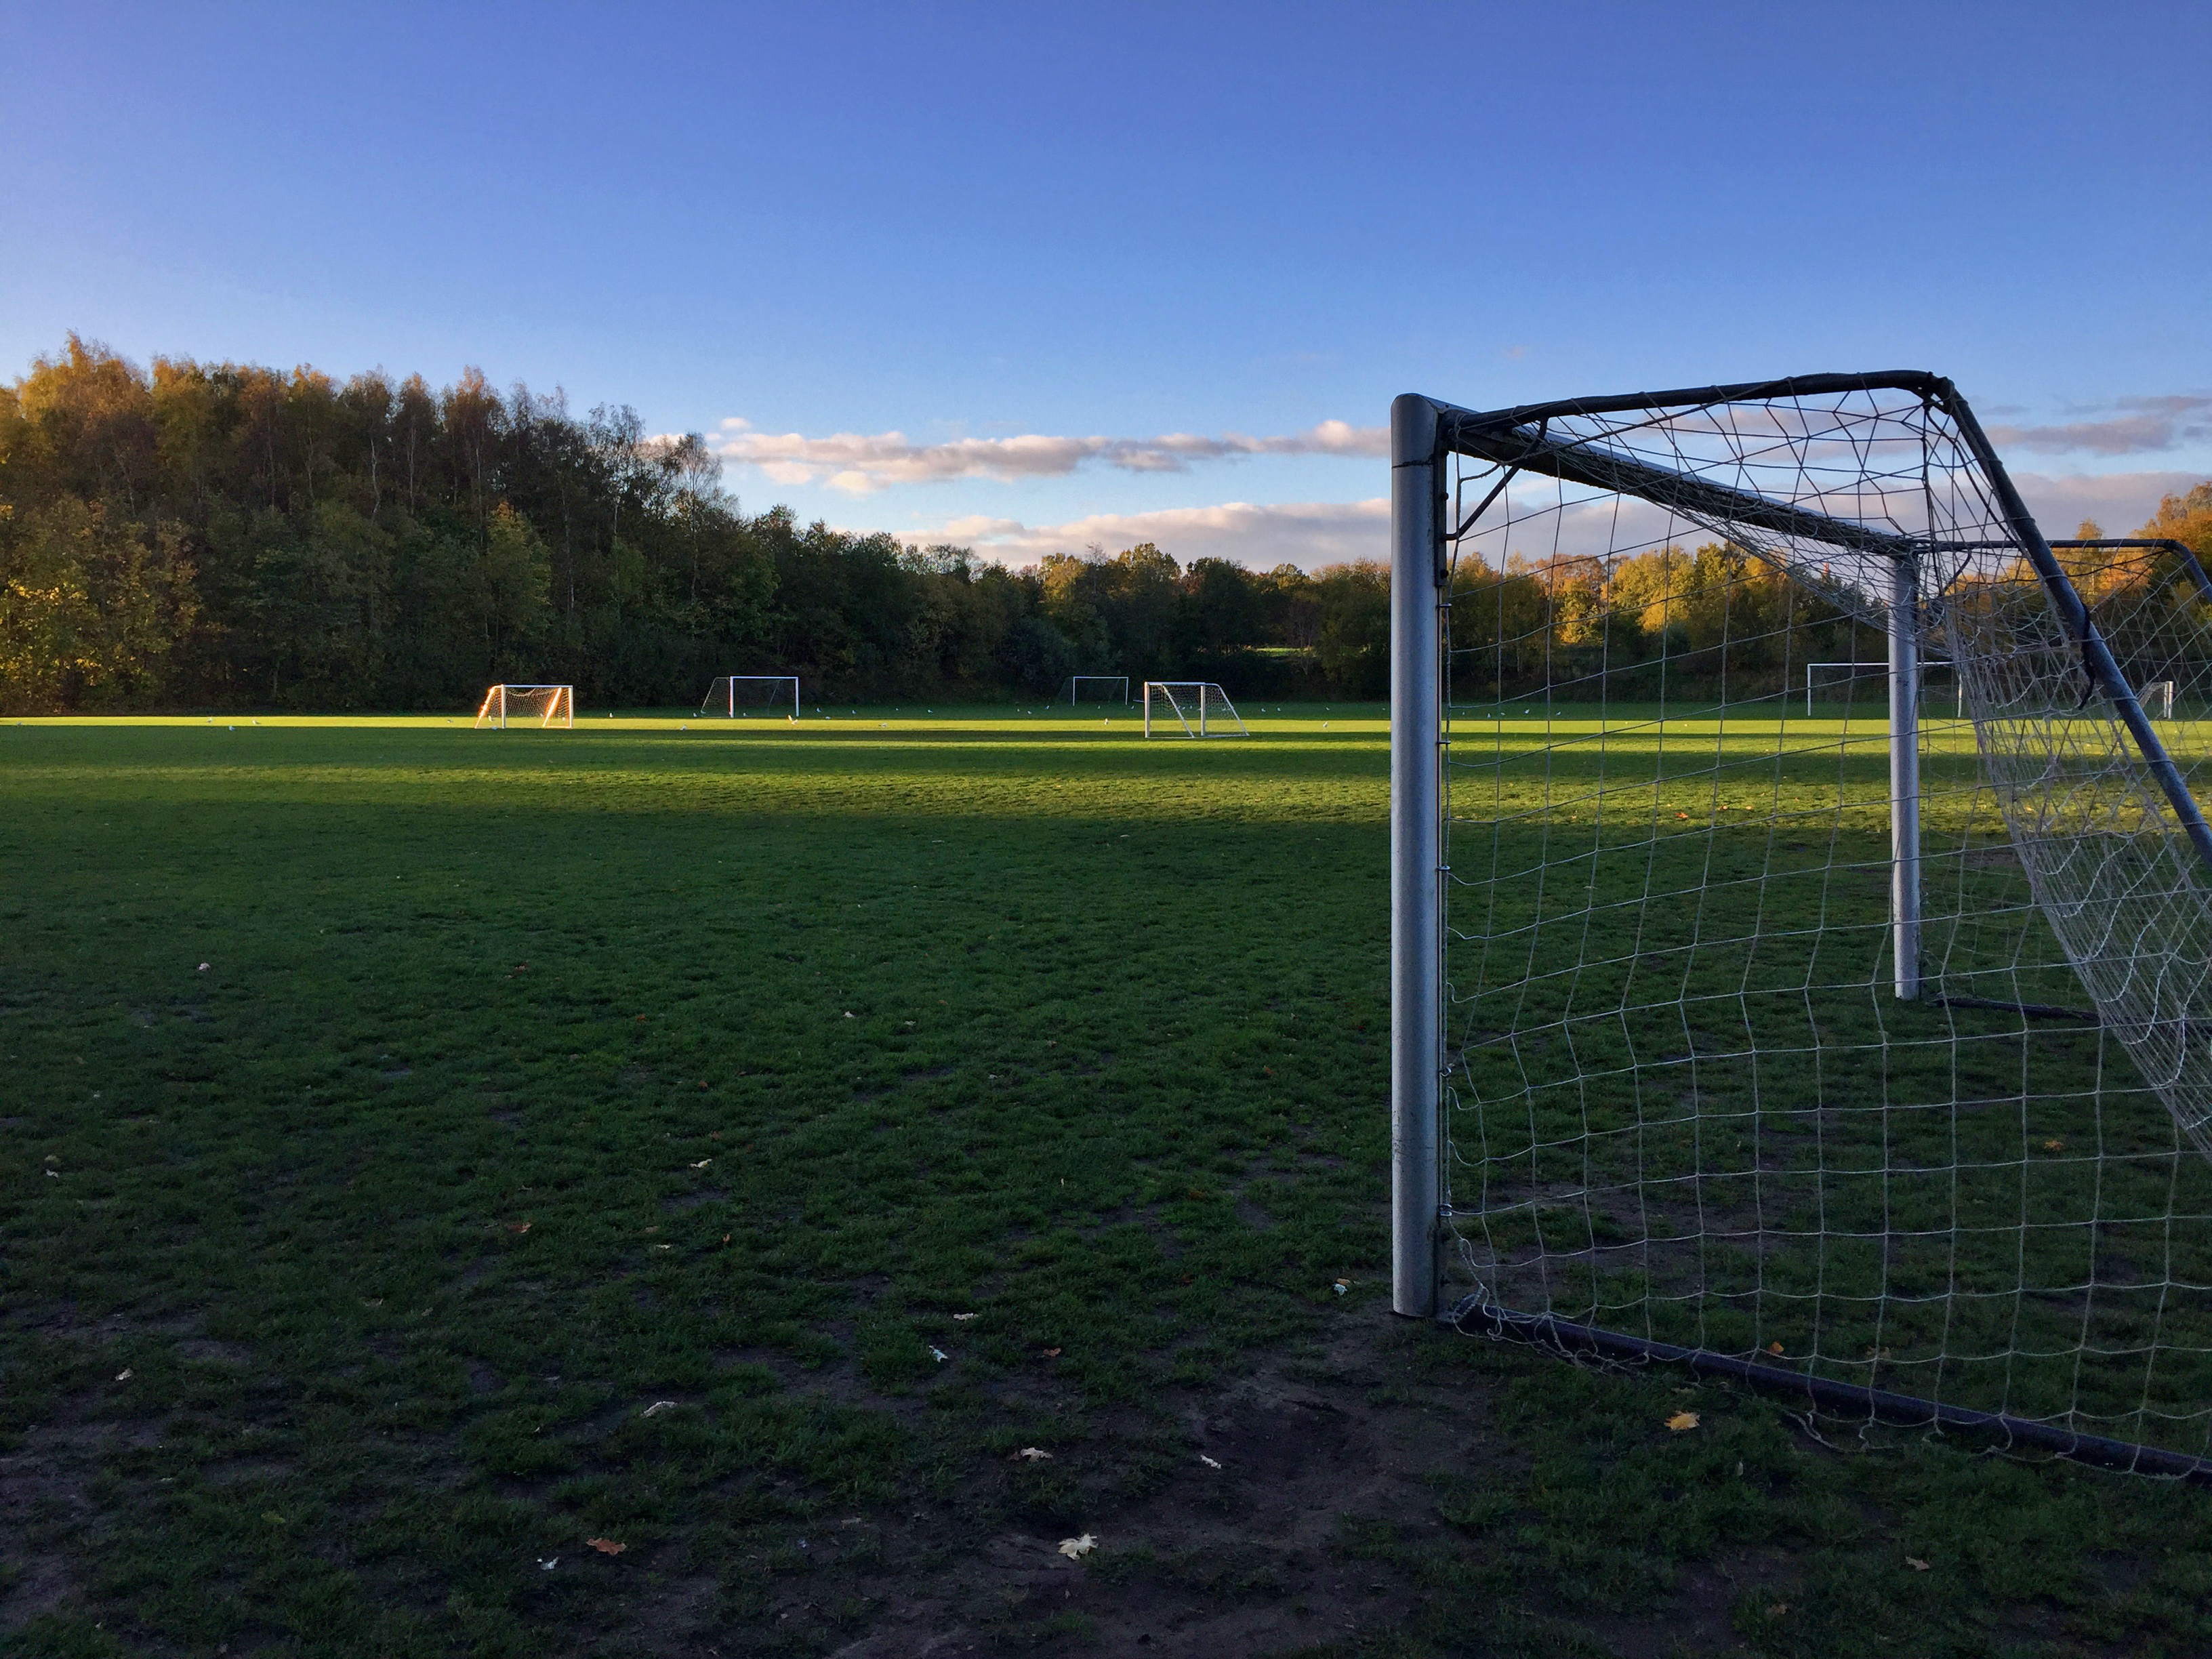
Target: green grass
column 536, row 1078
column 1693, row 1109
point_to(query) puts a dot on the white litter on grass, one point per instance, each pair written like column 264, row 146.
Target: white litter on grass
column 122, row 1376
column 1033, row 1455
column 939, row 1355
column 1076, row 1548
column 964, row 1318
column 659, row 1406
column 703, row 1163
column 203, row 967
column 546, row 1564
column 1208, row 1461
column 1342, row 1286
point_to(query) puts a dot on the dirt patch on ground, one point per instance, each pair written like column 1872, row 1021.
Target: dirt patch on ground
column 1252, row 1543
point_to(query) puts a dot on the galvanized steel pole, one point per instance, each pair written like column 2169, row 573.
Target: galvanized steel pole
column 1416, row 853
column 1905, row 775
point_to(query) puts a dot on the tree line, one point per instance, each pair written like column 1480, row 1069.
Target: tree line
column 225, row 535
column 230, row 535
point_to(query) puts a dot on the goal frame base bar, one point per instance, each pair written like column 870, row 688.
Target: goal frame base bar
column 1472, row 1316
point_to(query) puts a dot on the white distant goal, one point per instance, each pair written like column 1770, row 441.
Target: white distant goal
column 527, row 705
column 1830, row 675
column 1097, row 688
column 1190, row 708
column 735, row 695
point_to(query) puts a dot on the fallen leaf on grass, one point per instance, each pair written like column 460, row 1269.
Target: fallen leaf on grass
column 1916, row 1564
column 1777, row 1610
column 518, row 1226
column 659, row 1406
column 1052, row 1353
column 1034, row 1454
column 1774, row 1347
column 2053, row 1145
column 1681, row 1420
column 606, row 1546
column 1075, row 1548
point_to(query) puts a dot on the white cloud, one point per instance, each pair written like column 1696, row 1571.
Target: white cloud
column 2118, row 502
column 2148, row 426
column 1307, row 534
column 859, row 463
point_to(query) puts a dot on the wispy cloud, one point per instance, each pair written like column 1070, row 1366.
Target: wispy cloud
column 1307, row 534
column 859, row 463
column 2143, row 426
column 2119, row 502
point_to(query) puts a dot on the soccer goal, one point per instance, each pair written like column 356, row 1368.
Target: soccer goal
column 1097, row 688
column 738, row 695
column 1829, row 676
column 1863, row 1059
column 527, row 705
column 1195, row 708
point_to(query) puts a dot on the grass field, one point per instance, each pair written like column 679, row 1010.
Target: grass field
column 738, row 1143
column 1692, row 1106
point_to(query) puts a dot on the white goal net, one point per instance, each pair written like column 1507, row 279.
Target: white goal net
column 738, row 695
column 527, row 705
column 1864, row 1051
column 1190, row 708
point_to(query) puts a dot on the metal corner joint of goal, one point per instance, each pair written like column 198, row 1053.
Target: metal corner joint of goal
column 1861, row 1059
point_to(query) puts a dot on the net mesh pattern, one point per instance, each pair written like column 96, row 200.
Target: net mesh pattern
column 1682, row 1099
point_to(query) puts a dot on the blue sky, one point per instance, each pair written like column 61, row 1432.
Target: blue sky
column 906, row 264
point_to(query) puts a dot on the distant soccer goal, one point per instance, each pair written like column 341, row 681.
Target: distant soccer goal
column 1828, row 675
column 1190, row 708
column 1097, row 688
column 527, row 705
column 737, row 694
column 1862, row 1060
